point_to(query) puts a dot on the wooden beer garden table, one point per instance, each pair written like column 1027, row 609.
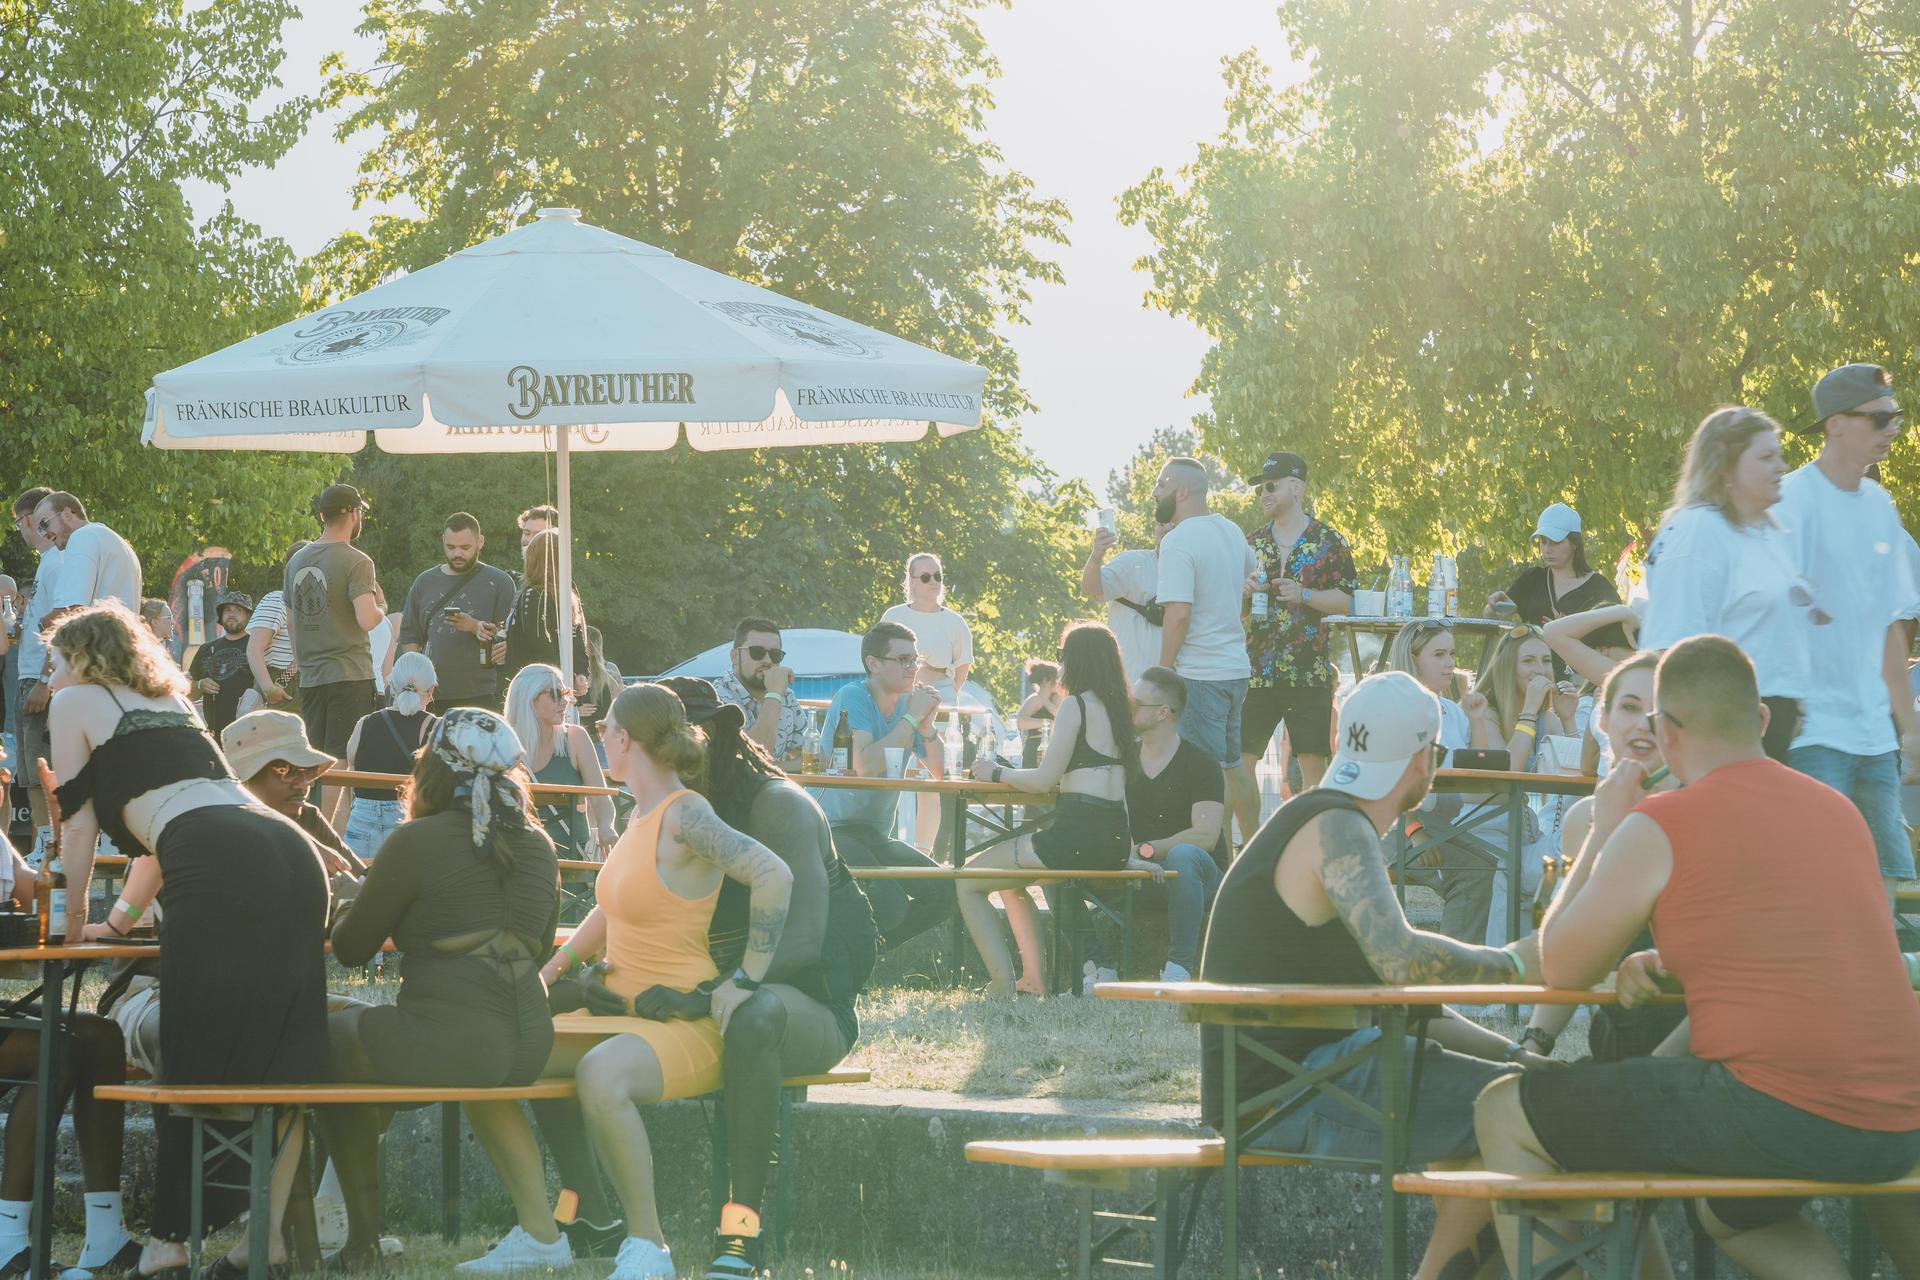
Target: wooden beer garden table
column 1237, row 1008
column 54, row 965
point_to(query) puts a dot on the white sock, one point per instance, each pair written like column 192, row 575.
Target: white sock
column 106, row 1229
column 14, row 1217
column 330, row 1185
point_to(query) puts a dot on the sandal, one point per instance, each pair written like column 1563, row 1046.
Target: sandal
column 225, row 1268
column 1466, row 1264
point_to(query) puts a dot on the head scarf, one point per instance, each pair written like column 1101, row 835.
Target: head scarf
column 480, row 747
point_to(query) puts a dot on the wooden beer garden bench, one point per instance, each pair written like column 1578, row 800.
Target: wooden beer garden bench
column 1621, row 1206
column 256, row 1105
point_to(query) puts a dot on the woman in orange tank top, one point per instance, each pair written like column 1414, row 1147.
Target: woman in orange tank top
column 656, row 895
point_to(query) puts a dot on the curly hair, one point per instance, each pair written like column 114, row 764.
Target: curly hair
column 108, row 644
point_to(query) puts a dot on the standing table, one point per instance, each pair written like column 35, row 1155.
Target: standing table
column 1354, row 625
column 1510, row 789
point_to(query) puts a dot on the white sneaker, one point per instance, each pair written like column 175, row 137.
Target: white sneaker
column 1098, row 973
column 518, row 1251
column 1172, row 972
column 642, row 1260
column 330, row 1217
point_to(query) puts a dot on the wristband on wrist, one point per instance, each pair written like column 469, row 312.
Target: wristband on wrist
column 127, row 909
column 1519, row 965
column 573, row 957
column 1529, row 730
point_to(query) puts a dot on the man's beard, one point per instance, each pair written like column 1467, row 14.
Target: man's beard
column 754, row 683
column 1163, row 509
column 458, row 567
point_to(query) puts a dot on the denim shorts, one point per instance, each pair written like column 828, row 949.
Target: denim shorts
column 1873, row 784
column 369, row 823
column 1688, row 1115
column 1442, row 1120
column 1211, row 721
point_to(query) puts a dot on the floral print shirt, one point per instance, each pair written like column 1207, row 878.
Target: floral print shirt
column 1290, row 649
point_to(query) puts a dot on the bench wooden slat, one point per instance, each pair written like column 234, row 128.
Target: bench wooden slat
column 1116, row 1153
column 389, row 1094
column 1480, row 1184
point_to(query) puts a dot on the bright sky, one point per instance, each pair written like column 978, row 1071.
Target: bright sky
column 1084, row 108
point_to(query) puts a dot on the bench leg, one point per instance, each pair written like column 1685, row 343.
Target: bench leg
column 1166, row 1195
column 782, row 1176
column 450, row 1171
column 1084, row 1268
column 1862, row 1251
column 197, row 1218
column 719, row 1181
column 1703, row 1246
column 260, row 1192
column 1128, row 893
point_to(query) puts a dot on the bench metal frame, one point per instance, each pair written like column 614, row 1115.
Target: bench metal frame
column 39, row 1010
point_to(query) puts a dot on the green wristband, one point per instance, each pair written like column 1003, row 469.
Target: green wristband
column 1519, row 965
column 566, row 949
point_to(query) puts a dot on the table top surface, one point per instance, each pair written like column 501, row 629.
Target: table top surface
column 79, row 951
column 937, row 786
column 1304, row 995
column 1378, row 622
column 1471, row 780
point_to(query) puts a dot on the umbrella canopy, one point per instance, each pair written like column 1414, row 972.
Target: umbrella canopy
column 562, row 324
column 564, row 336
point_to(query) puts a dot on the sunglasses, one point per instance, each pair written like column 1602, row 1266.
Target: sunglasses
column 1800, row 596
column 760, row 653
column 1521, row 630
column 930, row 577
column 559, row 694
column 1270, row 486
column 1882, row 418
column 296, row 773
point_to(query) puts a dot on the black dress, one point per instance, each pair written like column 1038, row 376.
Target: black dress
column 472, row 1009
column 242, row 962
column 533, row 633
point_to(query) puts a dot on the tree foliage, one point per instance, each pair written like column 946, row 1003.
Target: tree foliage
column 1495, row 253
column 106, row 108
column 832, row 150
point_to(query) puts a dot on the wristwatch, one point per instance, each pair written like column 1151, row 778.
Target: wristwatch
column 997, row 771
column 742, row 981
column 1539, row 1040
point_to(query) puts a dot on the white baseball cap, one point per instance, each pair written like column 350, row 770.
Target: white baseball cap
column 1556, row 522
column 1386, row 721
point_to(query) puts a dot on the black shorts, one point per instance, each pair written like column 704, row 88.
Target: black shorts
column 1085, row 833
column 1308, row 714
column 1687, row 1115
column 332, row 710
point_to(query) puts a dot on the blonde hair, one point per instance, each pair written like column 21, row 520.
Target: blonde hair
column 108, row 644
column 410, row 681
column 532, row 680
column 653, row 716
column 906, row 577
column 1500, row 680
column 1409, row 641
column 1706, row 474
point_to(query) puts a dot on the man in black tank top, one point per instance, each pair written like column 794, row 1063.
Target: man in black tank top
column 1308, row 901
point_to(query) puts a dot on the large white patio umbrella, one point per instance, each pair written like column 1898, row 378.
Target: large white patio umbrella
column 564, row 336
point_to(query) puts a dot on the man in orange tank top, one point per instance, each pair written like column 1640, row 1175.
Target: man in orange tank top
column 1763, row 890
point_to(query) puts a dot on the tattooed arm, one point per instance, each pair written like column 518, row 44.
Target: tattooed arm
column 1353, row 871
column 741, row 857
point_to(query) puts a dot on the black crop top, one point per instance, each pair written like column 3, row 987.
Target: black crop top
column 1084, row 756
column 149, row 749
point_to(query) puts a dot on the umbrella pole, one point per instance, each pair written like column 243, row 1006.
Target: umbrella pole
column 563, row 469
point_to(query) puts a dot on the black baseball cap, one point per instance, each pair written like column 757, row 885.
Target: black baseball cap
column 336, row 499
column 703, row 703
column 1846, row 389
column 1279, row 466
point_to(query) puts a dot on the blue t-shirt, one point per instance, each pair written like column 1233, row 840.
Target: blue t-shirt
column 869, row 808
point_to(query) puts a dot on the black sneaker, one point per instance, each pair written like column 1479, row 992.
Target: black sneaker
column 592, row 1241
column 736, row 1258
column 125, row 1262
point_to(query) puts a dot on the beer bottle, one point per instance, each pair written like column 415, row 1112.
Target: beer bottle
column 1549, row 880
column 56, row 899
column 43, row 900
column 843, row 745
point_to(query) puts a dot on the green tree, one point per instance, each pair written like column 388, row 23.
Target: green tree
column 1490, row 255
column 1130, row 488
column 832, row 150
column 106, row 108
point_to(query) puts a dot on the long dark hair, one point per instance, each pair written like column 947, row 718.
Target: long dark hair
column 433, row 787
column 737, row 768
column 1090, row 663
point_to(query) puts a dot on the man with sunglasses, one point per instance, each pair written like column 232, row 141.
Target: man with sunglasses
column 761, row 685
column 1843, row 532
column 31, row 691
column 1310, row 574
column 887, row 711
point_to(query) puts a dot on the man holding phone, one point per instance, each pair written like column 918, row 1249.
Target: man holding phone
column 453, row 613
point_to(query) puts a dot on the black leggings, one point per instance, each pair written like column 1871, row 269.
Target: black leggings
column 902, row 909
column 1783, row 718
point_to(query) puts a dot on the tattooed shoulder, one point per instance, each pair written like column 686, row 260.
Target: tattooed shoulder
column 701, row 830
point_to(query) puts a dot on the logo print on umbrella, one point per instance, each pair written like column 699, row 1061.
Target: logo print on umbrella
column 798, row 328
column 341, row 335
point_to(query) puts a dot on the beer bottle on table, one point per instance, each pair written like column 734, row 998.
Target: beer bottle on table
column 50, row 885
column 843, row 745
column 1549, row 881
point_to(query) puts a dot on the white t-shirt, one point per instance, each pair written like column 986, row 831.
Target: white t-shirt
column 1707, row 576
column 1204, row 562
column 1456, row 731
column 1132, row 575
column 942, row 637
column 1851, row 550
column 97, row 565
column 34, row 658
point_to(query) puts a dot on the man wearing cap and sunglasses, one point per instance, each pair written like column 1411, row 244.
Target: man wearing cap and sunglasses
column 333, row 601
column 1309, row 571
column 1847, row 540
column 761, row 684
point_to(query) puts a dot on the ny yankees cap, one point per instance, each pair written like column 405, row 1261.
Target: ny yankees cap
column 1386, row 721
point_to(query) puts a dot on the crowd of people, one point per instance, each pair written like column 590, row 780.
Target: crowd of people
column 1747, row 719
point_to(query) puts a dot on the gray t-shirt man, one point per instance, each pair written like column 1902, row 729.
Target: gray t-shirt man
column 323, row 580
column 484, row 593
